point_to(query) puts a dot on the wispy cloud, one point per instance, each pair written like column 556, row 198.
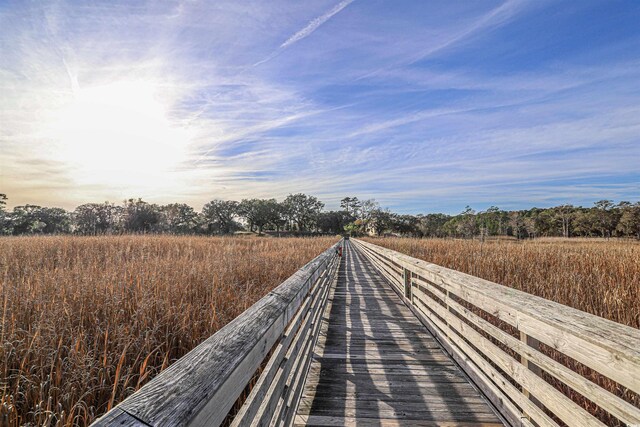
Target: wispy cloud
column 315, row 24
column 493, row 18
column 312, row 26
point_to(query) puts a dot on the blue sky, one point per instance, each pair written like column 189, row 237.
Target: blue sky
column 426, row 106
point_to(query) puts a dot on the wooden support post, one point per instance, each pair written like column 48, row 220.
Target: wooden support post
column 406, row 275
column 534, row 344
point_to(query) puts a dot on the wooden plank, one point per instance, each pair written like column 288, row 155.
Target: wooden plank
column 380, row 410
column 507, row 390
column 310, row 380
column 384, row 357
column 626, row 412
column 118, row 417
column 478, row 409
column 388, row 389
column 494, row 386
column 320, row 420
column 397, row 370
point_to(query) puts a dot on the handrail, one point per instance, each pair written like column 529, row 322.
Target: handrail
column 512, row 343
column 276, row 333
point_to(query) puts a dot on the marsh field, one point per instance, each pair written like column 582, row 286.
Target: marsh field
column 86, row 321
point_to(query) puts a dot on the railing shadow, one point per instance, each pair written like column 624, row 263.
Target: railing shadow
column 380, row 362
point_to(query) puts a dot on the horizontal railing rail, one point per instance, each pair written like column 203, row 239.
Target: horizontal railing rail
column 274, row 337
column 534, row 359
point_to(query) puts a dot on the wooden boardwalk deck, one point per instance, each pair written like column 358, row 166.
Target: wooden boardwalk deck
column 376, row 364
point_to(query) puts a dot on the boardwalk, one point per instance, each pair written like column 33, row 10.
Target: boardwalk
column 376, row 364
column 334, row 344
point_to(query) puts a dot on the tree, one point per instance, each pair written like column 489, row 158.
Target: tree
column 403, row 224
column 352, row 228
column 302, row 210
column 179, row 218
column 350, row 205
column 25, row 220
column 5, row 220
column 530, row 226
column 432, row 225
column 31, row 219
column 219, row 216
column 333, row 221
column 629, row 224
column 279, row 219
column 95, row 218
column 260, row 213
column 565, row 214
column 492, row 221
column 367, row 207
column 547, row 224
column 467, row 225
column 585, row 222
column 517, row 223
column 140, row 216
column 380, row 221
column 606, row 217
column 56, row 220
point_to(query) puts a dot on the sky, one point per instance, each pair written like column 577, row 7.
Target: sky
column 425, row 106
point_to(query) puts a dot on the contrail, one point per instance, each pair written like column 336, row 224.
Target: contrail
column 313, row 25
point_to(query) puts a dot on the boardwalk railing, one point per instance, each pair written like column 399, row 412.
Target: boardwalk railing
column 518, row 348
column 273, row 338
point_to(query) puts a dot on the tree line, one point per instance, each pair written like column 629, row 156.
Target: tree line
column 305, row 214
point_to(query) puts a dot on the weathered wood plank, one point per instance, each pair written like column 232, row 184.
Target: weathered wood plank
column 563, row 407
column 319, row 420
column 117, row 417
column 379, row 410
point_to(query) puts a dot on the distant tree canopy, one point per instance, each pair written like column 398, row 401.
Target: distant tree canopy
column 302, row 214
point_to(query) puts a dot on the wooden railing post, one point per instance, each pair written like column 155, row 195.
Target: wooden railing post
column 406, row 275
column 534, row 344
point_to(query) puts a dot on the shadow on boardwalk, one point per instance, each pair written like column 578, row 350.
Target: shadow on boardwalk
column 378, row 365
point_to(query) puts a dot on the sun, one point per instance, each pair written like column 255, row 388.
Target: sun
column 118, row 134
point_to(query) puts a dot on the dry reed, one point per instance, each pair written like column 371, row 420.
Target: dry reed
column 87, row 321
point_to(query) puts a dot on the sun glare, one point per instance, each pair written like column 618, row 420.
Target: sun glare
column 118, row 134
